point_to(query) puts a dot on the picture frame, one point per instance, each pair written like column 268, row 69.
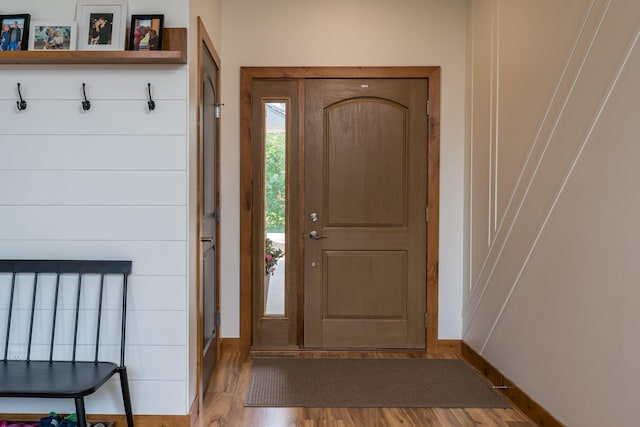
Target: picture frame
column 14, row 32
column 101, row 24
column 145, row 32
column 52, row 35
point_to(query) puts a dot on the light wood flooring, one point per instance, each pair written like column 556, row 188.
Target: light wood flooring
column 223, row 404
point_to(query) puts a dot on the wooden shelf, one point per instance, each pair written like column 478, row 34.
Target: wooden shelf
column 174, row 52
column 90, row 57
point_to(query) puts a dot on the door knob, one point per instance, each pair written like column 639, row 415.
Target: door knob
column 315, row 236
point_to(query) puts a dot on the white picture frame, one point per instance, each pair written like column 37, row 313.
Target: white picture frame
column 102, row 24
column 53, row 35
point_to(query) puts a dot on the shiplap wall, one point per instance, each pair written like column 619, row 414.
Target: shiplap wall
column 109, row 183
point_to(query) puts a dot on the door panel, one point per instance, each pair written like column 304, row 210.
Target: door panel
column 356, row 284
column 365, row 272
column 357, row 194
column 208, row 216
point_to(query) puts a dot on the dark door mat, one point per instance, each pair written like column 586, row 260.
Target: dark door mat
column 368, row 383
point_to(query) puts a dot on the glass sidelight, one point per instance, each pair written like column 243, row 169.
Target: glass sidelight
column 275, row 206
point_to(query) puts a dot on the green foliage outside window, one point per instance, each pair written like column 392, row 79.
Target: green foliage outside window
column 275, row 182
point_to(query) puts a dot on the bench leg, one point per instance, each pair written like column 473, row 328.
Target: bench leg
column 126, row 396
column 80, row 412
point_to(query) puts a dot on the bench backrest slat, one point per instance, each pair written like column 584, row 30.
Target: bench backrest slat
column 55, row 317
column 77, row 317
column 81, row 269
column 33, row 312
column 13, row 291
column 99, row 316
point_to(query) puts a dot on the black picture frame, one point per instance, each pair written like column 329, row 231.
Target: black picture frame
column 154, row 25
column 24, row 21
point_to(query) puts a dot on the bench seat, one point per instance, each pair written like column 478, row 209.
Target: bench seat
column 62, row 379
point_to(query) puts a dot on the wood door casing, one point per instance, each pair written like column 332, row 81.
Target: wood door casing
column 365, row 152
column 248, row 75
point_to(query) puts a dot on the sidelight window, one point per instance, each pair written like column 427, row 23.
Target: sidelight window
column 275, row 206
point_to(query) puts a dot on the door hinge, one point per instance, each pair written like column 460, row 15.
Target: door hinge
column 217, row 110
column 428, row 108
column 426, row 319
column 217, row 319
column 216, row 215
column 426, row 214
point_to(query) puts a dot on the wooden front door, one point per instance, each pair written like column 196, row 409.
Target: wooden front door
column 365, row 213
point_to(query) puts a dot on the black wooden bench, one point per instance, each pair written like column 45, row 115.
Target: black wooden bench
column 59, row 375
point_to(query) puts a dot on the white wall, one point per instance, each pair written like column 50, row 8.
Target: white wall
column 176, row 15
column 349, row 33
column 551, row 288
column 110, row 183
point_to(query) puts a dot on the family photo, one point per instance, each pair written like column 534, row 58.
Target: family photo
column 47, row 37
column 146, row 32
column 13, row 35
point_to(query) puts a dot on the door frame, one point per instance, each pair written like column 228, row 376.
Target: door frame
column 247, row 76
column 204, row 40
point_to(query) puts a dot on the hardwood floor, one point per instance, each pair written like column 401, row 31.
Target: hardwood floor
column 223, row 404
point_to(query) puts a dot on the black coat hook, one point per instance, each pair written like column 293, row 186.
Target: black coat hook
column 22, row 104
column 86, row 104
column 151, row 103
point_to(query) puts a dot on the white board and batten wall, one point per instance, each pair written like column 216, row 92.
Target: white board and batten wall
column 108, row 183
column 552, row 287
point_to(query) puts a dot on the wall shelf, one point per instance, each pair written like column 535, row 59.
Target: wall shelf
column 174, row 52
